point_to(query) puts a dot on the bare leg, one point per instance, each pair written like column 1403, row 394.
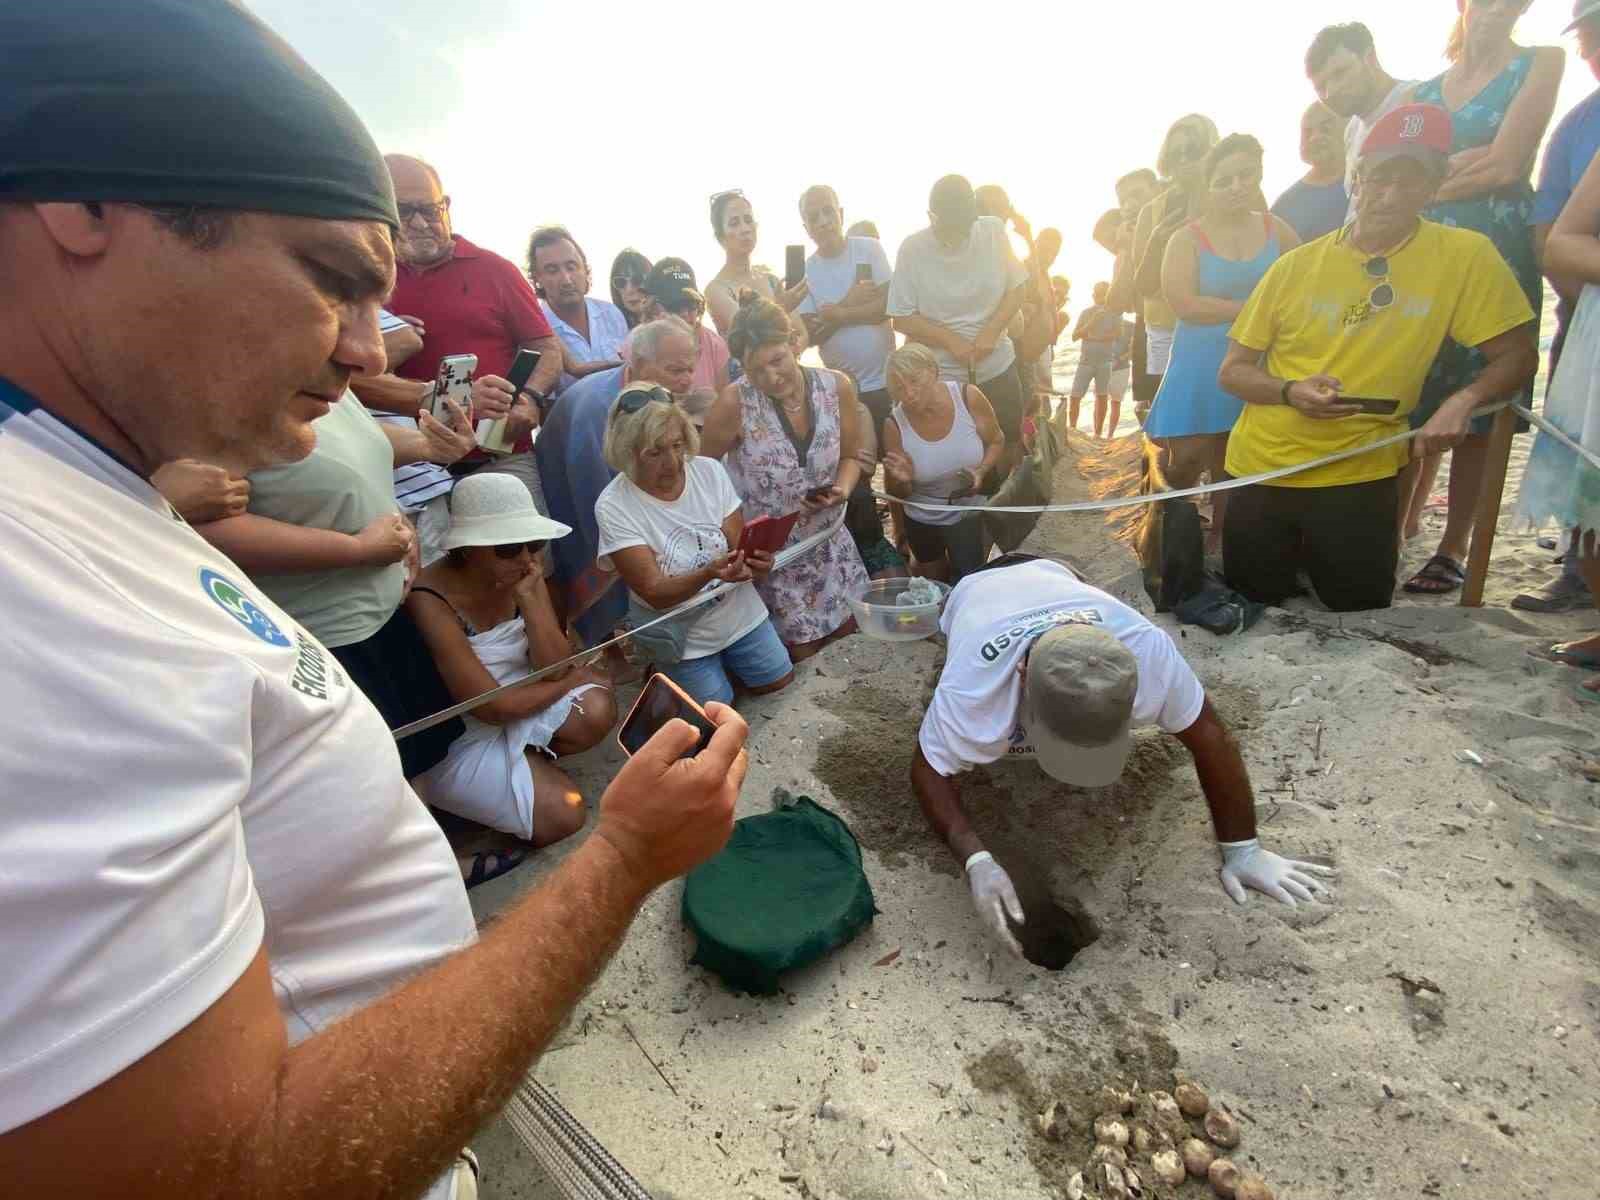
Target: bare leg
column 1073, row 407
column 592, row 717
column 1588, row 550
column 1219, row 500
column 803, row 651
column 1099, row 413
column 767, row 689
column 1466, row 481
column 1423, row 475
column 558, row 810
column 1116, row 416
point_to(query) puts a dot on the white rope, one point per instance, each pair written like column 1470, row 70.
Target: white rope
column 576, row 1162
column 1536, row 419
column 784, row 557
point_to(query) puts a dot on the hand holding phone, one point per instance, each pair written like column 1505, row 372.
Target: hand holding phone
column 661, row 701
column 453, row 382
column 1376, row 408
column 794, row 265
column 863, row 272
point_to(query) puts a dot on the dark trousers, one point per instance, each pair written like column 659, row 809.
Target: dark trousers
column 1009, row 400
column 1347, row 538
column 961, row 542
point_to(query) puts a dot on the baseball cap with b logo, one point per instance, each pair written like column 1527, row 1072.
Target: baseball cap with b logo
column 1420, row 131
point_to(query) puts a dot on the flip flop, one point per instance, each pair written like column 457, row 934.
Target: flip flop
column 1563, row 653
column 1585, row 695
column 1439, row 576
column 503, row 861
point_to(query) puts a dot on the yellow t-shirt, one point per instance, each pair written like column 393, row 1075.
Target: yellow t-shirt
column 1312, row 315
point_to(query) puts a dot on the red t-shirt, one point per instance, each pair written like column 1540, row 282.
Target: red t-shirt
column 476, row 303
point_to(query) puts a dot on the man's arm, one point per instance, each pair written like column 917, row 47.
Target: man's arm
column 868, row 308
column 548, row 373
column 390, row 393
column 1513, row 359
column 379, row 1103
column 264, row 546
column 918, row 328
column 1243, row 376
column 995, row 328
column 940, row 799
column 1568, row 287
column 432, row 440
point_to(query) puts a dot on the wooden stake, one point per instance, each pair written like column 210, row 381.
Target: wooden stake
column 1487, row 516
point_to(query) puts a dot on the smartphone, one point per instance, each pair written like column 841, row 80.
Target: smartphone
column 492, row 434
column 1378, row 408
column 454, row 381
column 659, row 702
column 794, row 265
column 819, row 493
column 767, row 535
column 863, row 272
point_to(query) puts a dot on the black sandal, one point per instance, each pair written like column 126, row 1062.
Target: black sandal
column 503, row 860
column 1439, row 576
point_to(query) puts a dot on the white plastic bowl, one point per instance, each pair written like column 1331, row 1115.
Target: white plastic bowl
column 879, row 616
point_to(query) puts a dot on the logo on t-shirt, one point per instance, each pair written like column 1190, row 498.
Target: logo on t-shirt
column 1031, row 625
column 241, row 608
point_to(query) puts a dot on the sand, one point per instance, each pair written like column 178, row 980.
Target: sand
column 1431, row 1032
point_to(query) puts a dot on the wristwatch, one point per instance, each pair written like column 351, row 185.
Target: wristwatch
column 1283, row 393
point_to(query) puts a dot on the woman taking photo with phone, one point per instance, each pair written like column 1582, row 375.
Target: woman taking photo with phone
column 790, row 438
column 670, row 524
column 940, row 443
column 484, row 612
column 733, row 222
column 1212, row 265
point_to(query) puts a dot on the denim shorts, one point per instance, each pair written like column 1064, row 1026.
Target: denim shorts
column 756, row 659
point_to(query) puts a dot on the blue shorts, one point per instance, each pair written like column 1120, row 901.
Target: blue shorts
column 757, row 659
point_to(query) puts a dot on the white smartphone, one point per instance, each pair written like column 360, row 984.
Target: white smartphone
column 454, row 381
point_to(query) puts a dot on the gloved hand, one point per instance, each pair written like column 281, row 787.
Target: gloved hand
column 1247, row 865
column 995, row 897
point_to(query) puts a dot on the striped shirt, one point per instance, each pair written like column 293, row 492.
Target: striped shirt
column 415, row 483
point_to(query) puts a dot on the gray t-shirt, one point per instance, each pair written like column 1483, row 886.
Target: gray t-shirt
column 862, row 350
column 959, row 289
column 344, row 484
column 1357, row 129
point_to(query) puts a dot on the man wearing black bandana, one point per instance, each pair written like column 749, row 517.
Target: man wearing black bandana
column 239, row 959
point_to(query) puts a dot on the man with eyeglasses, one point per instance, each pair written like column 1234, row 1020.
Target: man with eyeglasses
column 1330, row 354
column 1342, row 64
column 469, row 300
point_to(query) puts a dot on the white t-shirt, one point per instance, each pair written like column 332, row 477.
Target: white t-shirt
column 685, row 535
column 189, row 776
column 960, row 289
column 1357, row 129
column 862, row 350
column 991, row 619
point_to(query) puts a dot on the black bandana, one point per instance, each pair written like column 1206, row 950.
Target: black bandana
column 176, row 102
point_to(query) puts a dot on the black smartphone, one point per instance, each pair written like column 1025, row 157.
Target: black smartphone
column 819, row 493
column 659, row 702
column 527, row 362
column 1377, row 408
column 863, row 272
column 794, row 265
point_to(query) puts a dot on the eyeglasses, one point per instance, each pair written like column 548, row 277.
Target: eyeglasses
column 623, row 282
column 636, row 398
column 428, row 212
column 1382, row 294
column 516, row 548
column 718, row 196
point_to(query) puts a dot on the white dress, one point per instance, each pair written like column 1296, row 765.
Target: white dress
column 485, row 775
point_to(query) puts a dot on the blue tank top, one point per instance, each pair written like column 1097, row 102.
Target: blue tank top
column 1190, row 401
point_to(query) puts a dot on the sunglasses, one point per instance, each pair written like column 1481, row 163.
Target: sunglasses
column 428, row 212
column 516, row 548
column 716, row 196
column 636, row 398
column 623, row 282
column 1382, row 294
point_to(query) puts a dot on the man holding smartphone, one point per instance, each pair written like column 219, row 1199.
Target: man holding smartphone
column 239, row 957
column 1041, row 665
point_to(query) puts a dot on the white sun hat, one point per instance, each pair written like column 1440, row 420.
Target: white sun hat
column 496, row 510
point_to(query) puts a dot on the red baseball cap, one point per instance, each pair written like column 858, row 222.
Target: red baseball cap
column 1420, row 131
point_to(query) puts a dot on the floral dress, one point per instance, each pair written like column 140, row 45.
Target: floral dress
column 773, row 469
column 1503, row 216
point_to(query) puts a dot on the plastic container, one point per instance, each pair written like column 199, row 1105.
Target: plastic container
column 880, row 616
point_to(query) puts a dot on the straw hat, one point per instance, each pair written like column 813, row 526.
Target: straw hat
column 496, row 510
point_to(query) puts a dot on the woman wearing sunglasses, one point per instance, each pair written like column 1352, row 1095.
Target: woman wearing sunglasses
column 733, row 223
column 1500, row 97
column 628, row 272
column 484, row 612
column 670, row 524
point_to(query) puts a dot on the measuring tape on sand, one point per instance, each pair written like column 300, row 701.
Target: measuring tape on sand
column 784, row 557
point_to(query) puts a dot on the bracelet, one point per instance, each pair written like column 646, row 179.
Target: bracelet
column 1283, row 394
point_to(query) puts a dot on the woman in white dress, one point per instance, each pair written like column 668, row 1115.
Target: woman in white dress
column 485, row 613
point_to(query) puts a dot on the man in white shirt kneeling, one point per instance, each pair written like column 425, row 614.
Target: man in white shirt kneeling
column 1040, row 663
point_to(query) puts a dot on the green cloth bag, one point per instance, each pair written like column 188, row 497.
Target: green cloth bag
column 786, row 889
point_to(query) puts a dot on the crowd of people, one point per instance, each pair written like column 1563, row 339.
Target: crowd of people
column 356, row 548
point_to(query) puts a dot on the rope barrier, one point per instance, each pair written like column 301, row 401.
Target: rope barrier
column 790, row 553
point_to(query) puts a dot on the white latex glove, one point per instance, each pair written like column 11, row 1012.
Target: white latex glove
column 1247, row 865
column 995, row 897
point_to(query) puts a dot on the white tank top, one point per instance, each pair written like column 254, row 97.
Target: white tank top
column 937, row 465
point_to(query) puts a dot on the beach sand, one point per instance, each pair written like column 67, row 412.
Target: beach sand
column 1433, row 1031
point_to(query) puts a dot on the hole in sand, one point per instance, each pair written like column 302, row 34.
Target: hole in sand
column 1054, row 935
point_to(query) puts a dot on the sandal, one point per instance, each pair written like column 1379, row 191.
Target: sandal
column 1440, row 575
column 1585, row 695
column 501, row 860
column 1567, row 654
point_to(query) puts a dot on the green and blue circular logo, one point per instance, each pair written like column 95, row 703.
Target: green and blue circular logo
column 241, row 608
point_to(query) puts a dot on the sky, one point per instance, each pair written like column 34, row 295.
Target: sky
column 621, row 119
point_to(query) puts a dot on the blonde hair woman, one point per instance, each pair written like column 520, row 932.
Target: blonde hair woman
column 940, row 443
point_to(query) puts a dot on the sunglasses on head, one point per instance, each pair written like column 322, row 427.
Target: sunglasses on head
column 636, row 398
column 516, row 548
column 429, row 212
column 716, row 196
column 1382, row 294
